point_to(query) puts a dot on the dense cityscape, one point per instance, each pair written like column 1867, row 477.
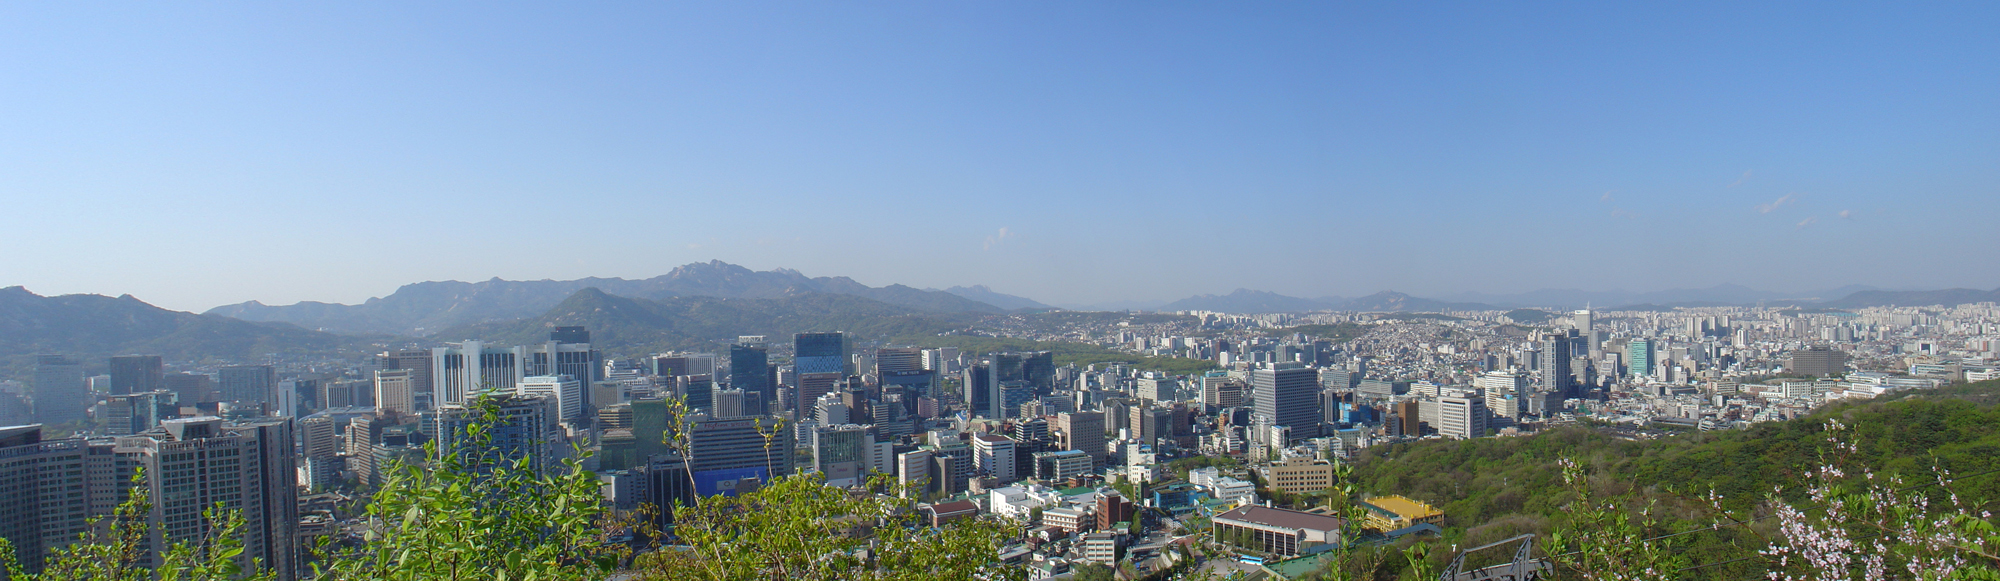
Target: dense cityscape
column 999, row 291
column 1213, row 466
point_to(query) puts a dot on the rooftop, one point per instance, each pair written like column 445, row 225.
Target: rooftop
column 1278, row 517
column 1403, row 507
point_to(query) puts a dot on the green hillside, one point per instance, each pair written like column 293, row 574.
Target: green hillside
column 1492, row 488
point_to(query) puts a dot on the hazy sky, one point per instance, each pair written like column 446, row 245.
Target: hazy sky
column 1074, row 152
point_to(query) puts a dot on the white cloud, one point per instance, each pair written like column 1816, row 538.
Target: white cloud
column 996, row 239
column 1780, row 203
column 1847, row 214
column 1808, row 222
column 1739, row 181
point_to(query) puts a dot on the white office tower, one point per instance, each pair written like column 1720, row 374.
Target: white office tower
column 1583, row 321
column 566, row 390
column 464, row 369
column 1461, row 417
column 845, row 455
column 395, row 390
column 994, row 456
column 1505, row 391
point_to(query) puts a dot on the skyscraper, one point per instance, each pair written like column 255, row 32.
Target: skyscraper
column 574, row 359
column 749, row 370
column 994, row 456
column 980, row 398
column 43, row 504
column 1461, row 417
column 60, row 390
column 1082, row 431
column 1639, row 357
column 137, row 374
column 395, row 390
column 461, row 370
column 1584, row 322
column 564, row 389
column 418, row 361
column 1555, row 364
column 526, row 429
column 1288, row 394
column 185, row 479
column 820, row 353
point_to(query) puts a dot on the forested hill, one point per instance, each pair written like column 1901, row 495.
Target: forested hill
column 1494, row 487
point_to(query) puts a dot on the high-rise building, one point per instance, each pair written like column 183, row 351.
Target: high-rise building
column 396, row 390
column 1639, row 357
column 461, row 370
column 137, row 374
column 570, row 335
column 979, row 397
column 196, row 464
column 418, row 362
column 191, row 388
column 1817, row 361
column 1288, row 394
column 1461, row 417
column 574, row 359
column 1555, row 366
column 846, row 454
column 1584, row 322
column 60, row 390
column 525, row 429
column 1219, row 390
column 1082, row 431
column 750, row 370
column 820, row 353
column 43, row 501
column 731, row 449
column 1506, row 392
column 811, row 387
column 994, row 456
column 566, row 390
column 131, row 413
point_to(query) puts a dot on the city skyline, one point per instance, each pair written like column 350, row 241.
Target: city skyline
column 1076, row 155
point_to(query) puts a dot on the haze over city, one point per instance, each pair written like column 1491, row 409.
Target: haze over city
column 1076, row 154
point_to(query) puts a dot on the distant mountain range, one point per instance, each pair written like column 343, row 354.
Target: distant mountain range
column 93, row 327
column 1245, row 301
column 632, row 324
column 1252, row 301
column 424, row 308
column 1726, row 294
column 979, row 292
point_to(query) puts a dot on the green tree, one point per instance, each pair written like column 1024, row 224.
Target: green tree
column 476, row 514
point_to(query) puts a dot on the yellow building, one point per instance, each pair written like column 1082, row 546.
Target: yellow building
column 1298, row 475
column 1389, row 513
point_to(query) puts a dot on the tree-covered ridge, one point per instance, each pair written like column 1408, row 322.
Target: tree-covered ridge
column 1490, row 488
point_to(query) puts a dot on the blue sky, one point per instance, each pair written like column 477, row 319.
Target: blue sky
column 202, row 154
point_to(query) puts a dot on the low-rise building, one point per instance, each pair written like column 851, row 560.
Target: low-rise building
column 1070, row 520
column 1391, row 513
column 1274, row 531
column 1100, row 548
column 1298, row 475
